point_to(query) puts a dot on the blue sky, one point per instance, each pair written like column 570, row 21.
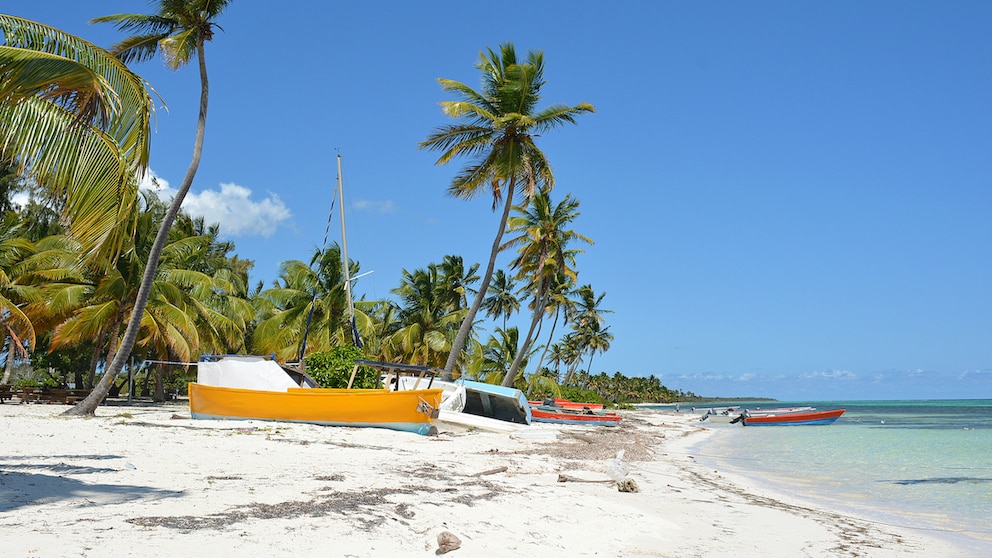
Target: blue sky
column 788, row 199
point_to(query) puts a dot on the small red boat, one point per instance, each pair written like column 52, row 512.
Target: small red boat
column 566, row 404
column 560, row 415
column 791, row 419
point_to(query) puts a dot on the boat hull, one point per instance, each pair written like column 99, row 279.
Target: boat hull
column 407, row 411
column 564, row 416
column 571, row 405
column 477, row 398
column 795, row 419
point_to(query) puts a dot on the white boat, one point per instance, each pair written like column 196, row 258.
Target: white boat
column 474, row 404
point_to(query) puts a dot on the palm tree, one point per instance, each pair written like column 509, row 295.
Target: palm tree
column 188, row 310
column 429, row 312
column 502, row 301
column 78, row 121
column 11, row 182
column 213, row 285
column 560, row 306
column 457, row 281
column 179, row 29
column 18, row 329
column 301, row 295
column 587, row 331
column 543, row 256
column 499, row 354
column 497, row 129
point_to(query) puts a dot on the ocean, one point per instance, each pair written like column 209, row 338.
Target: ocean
column 922, row 465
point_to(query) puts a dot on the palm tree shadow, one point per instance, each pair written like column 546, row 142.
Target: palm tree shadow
column 31, row 484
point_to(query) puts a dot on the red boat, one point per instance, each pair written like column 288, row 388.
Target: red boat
column 544, row 413
column 573, row 405
column 791, row 419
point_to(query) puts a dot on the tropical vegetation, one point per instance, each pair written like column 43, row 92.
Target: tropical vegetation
column 96, row 276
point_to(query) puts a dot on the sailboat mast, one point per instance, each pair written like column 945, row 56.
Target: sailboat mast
column 344, row 253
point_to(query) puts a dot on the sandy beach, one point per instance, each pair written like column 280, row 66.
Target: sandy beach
column 149, row 481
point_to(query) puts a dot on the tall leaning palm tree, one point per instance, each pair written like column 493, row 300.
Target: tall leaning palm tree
column 180, row 29
column 496, row 130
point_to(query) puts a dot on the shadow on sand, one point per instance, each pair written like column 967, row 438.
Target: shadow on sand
column 24, row 482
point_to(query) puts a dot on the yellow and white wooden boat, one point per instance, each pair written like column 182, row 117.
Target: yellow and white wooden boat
column 253, row 388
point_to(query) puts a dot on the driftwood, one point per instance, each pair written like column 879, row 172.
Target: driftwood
column 567, row 478
column 490, row 472
column 626, row 485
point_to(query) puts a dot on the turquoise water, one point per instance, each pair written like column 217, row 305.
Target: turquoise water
column 924, row 465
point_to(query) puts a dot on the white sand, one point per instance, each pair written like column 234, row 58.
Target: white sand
column 149, row 481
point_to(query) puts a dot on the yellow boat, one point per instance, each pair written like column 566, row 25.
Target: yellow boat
column 253, row 388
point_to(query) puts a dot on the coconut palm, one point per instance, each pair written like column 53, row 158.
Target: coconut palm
column 498, row 354
column 457, row 281
column 430, row 312
column 560, row 306
column 587, row 331
column 502, row 301
column 18, row 329
column 11, row 183
column 78, row 121
column 543, row 257
column 213, row 285
column 305, row 293
column 177, row 321
column 496, row 130
column 180, row 29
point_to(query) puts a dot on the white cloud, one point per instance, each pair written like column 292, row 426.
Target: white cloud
column 232, row 207
column 831, row 375
column 153, row 182
column 376, row 206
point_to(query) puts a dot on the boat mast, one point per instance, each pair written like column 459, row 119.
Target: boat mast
column 344, row 255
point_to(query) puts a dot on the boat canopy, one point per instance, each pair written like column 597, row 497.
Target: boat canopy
column 397, row 369
column 246, row 372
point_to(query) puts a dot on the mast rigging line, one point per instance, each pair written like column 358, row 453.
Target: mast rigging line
column 339, row 194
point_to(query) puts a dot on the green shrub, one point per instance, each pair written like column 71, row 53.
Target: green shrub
column 332, row 369
column 582, row 395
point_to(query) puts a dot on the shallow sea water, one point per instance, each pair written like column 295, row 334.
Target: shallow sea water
column 923, row 465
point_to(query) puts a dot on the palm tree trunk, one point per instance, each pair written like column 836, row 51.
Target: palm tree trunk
column 589, row 366
column 511, row 374
column 551, row 334
column 94, row 362
column 87, row 407
column 463, row 330
column 159, row 384
column 571, row 372
column 8, row 368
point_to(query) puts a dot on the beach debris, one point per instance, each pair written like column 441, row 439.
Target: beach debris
column 623, row 485
column 568, row 478
column 628, row 485
column 447, row 541
column 491, row 471
column 615, row 467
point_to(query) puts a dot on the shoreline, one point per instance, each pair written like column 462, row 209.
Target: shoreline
column 967, row 537
column 139, row 475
